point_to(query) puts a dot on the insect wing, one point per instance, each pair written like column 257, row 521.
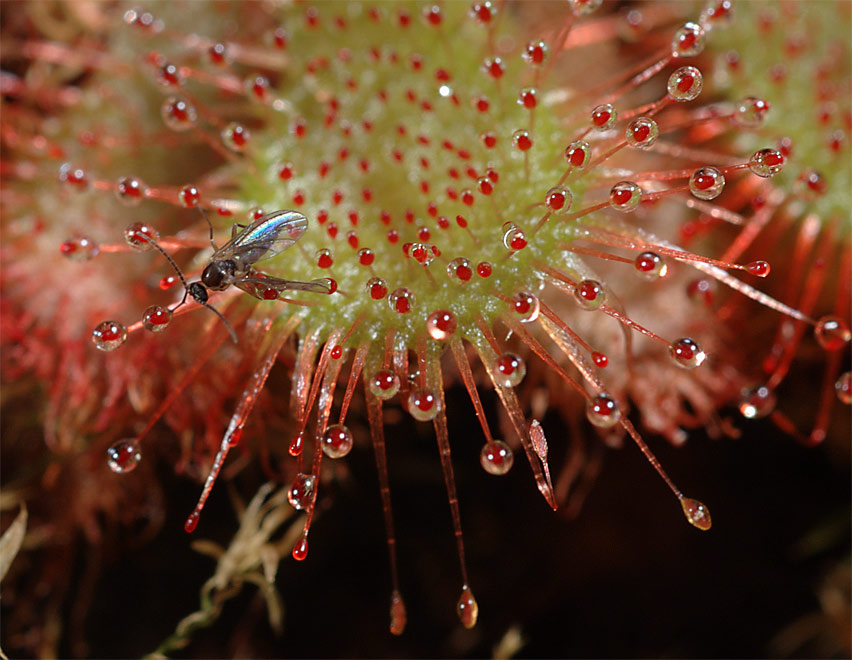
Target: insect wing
column 265, row 287
column 264, row 238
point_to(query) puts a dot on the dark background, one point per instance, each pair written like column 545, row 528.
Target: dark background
column 629, row 578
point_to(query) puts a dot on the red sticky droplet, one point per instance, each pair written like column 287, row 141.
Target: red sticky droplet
column 483, row 269
column 191, row 522
column 336, row 352
column 485, row 186
column 758, row 268
column 366, row 256
column 168, row 282
column 378, row 290
column 295, row 447
column 325, row 261
column 300, row 550
column 600, row 359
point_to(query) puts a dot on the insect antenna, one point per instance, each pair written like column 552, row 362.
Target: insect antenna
column 224, row 320
column 186, row 286
column 209, row 224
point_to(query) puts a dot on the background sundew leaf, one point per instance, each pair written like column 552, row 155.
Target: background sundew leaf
column 10, row 542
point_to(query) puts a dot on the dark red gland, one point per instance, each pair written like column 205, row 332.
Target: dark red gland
column 640, row 132
column 704, row 181
column 685, row 83
column 589, row 290
column 528, row 99
column 433, row 15
column 483, row 269
column 378, row 291
column 601, row 117
column 621, row 196
column 576, row 157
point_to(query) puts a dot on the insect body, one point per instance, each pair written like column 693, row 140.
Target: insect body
column 233, row 263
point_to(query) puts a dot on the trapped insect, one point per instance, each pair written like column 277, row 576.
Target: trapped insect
column 232, row 264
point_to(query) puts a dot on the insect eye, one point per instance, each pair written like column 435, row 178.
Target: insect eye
column 213, row 276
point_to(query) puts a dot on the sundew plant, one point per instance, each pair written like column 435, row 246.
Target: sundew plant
column 584, row 210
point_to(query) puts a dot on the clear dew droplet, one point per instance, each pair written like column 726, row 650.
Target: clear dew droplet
column 460, row 269
column 843, row 387
column 510, row 369
column 156, row 318
column 423, row 404
column 642, row 133
column 131, row 190
column 766, row 163
column 650, row 266
column 686, row 353
column 109, row 335
column 688, row 41
column 559, row 199
column 718, row 13
column 757, row 402
column 139, row 236
column 422, row 253
column 467, row 608
column 401, row 301
column 527, row 306
column 80, row 249
column 706, row 183
column 513, row 237
column 441, row 324
column 578, row 154
column 625, row 196
column 384, row 384
column 73, row 177
column 696, row 513
column 496, row 457
column 603, row 411
column 589, row 294
column 810, row 185
column 751, row 112
column 337, row 441
column 832, row 333
column 685, row 84
column 604, row 117
column 178, row 114
column 584, row 7
column 123, row 456
column 236, row 137
column 301, row 491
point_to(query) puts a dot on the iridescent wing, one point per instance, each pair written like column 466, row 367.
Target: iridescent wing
column 265, row 287
column 264, row 238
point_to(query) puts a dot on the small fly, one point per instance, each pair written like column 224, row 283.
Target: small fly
column 233, row 263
